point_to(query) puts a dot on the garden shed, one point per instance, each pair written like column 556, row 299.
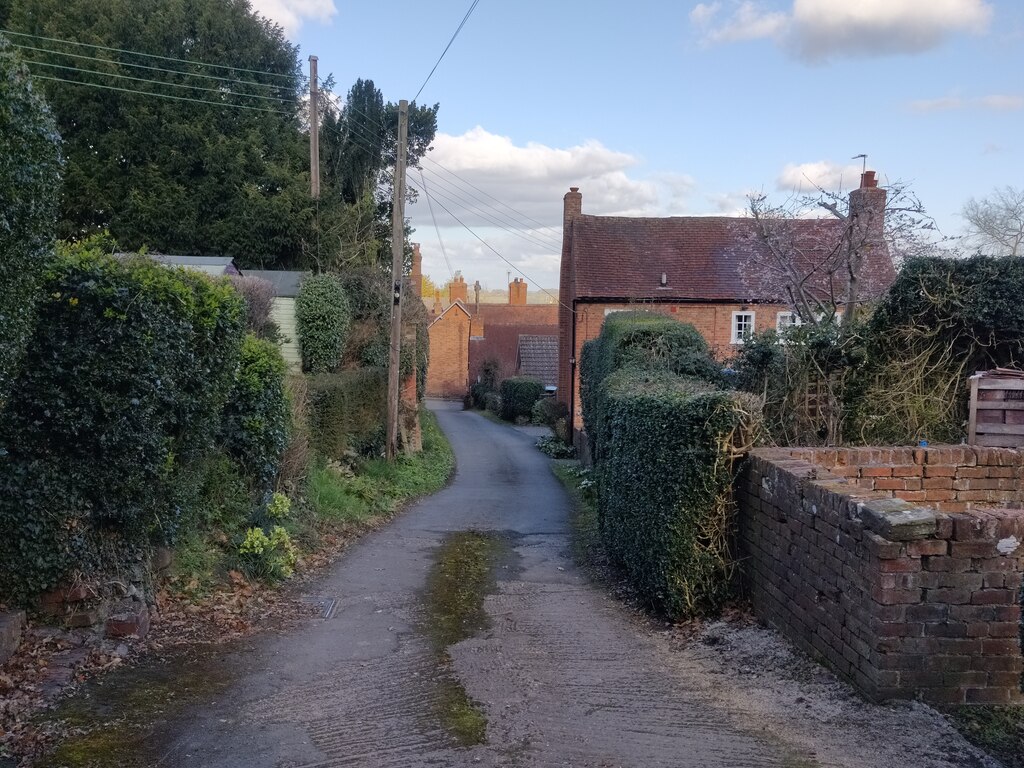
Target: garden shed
column 286, row 288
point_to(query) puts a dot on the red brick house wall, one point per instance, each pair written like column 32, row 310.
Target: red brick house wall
column 464, row 336
column 447, row 373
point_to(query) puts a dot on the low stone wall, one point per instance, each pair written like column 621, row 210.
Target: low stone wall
column 904, row 597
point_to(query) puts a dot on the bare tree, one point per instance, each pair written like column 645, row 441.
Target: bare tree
column 996, row 223
column 819, row 265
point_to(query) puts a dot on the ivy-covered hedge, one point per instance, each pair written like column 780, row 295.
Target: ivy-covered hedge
column 346, row 413
column 121, row 388
column 665, row 486
column 322, row 318
column 30, row 165
column 518, row 396
column 639, row 341
column 942, row 320
column 254, row 426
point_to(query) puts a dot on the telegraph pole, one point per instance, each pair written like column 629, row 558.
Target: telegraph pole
column 314, row 131
column 397, row 264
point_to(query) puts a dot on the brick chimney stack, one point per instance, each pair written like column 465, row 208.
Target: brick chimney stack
column 458, row 291
column 416, row 273
column 867, row 212
column 437, row 303
column 517, row 292
column 572, row 209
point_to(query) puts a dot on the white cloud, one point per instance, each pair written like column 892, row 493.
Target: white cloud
column 291, row 14
column 817, row 30
column 532, row 178
column 823, row 174
column 997, row 102
column 748, row 22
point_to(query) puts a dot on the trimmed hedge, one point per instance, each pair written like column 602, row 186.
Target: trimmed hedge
column 642, row 341
column 518, row 395
column 323, row 318
column 346, row 413
column 121, row 390
column 254, row 425
column 665, row 495
column 30, row 166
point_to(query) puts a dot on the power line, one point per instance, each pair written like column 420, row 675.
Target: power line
column 517, row 223
column 455, row 198
column 32, row 63
column 437, row 229
column 498, row 254
column 218, row 78
column 149, row 55
column 525, row 218
column 530, row 219
column 451, row 192
column 162, row 95
column 462, row 23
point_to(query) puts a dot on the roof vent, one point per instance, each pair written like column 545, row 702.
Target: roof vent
column 664, row 280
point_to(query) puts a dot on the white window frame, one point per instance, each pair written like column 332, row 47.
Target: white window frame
column 792, row 320
column 737, row 337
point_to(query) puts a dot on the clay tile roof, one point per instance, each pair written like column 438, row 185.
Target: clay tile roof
column 705, row 258
column 538, row 357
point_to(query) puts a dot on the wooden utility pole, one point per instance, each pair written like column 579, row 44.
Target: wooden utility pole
column 314, row 131
column 397, row 264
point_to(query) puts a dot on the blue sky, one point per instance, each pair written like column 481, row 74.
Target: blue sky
column 678, row 108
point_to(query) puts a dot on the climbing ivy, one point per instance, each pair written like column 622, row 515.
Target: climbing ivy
column 322, row 317
column 120, row 392
column 30, row 166
column 665, row 486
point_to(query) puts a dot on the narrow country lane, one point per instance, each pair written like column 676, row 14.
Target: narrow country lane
column 561, row 675
column 463, row 635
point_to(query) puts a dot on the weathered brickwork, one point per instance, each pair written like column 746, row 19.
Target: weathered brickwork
column 898, row 596
column 448, row 371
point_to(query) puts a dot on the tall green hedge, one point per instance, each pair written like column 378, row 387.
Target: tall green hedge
column 255, row 420
column 640, row 341
column 518, row 395
column 665, row 486
column 323, row 318
column 346, row 413
column 30, row 165
column 121, row 388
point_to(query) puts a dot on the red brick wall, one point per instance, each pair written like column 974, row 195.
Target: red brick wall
column 900, row 598
column 448, row 370
column 714, row 321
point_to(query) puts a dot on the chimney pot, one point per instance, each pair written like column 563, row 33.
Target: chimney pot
column 868, row 180
column 574, row 189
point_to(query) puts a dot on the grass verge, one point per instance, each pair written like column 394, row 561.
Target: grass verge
column 337, row 501
column 379, row 487
column 588, row 550
column 997, row 730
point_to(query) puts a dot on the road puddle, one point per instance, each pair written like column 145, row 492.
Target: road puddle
column 463, row 574
column 116, row 719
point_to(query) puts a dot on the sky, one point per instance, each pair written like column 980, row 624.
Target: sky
column 657, row 108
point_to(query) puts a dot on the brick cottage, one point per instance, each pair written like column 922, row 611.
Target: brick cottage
column 715, row 272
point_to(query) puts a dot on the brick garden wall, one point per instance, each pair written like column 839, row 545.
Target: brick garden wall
column 902, row 569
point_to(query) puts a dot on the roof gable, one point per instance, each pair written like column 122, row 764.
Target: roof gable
column 457, row 304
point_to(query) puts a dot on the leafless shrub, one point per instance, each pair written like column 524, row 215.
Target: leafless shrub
column 259, row 299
